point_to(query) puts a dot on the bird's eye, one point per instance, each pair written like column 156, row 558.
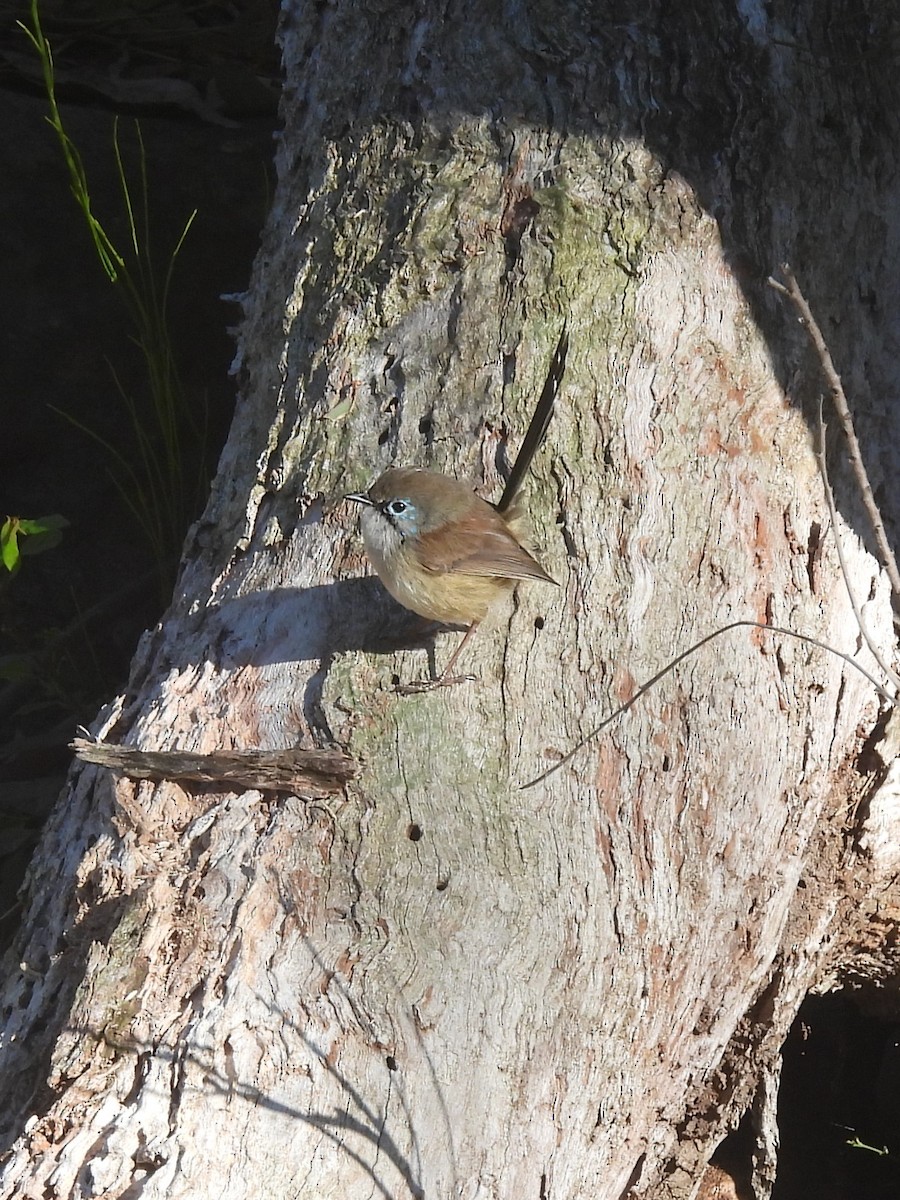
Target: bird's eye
column 397, row 508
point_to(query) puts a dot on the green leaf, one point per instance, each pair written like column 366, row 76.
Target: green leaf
column 44, row 533
column 9, row 543
column 36, row 536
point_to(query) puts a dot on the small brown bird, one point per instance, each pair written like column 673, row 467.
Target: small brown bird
column 442, row 551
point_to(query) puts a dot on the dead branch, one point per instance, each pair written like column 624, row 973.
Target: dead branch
column 309, row 773
column 791, row 289
column 832, row 509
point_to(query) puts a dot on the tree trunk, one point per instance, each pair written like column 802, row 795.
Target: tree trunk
column 440, row 984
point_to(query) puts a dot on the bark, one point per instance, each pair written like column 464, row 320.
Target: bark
column 441, row 984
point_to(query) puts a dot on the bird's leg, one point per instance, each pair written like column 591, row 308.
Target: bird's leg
column 445, row 676
column 445, row 679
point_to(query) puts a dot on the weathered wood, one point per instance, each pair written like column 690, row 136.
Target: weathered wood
column 449, row 986
column 310, row 773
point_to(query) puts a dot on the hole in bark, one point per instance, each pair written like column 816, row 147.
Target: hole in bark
column 391, row 1062
column 812, row 552
column 414, row 832
column 443, row 884
column 539, row 622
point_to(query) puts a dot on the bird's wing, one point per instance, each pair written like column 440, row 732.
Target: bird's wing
column 476, row 546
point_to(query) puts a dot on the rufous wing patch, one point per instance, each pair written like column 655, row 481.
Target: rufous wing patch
column 478, row 546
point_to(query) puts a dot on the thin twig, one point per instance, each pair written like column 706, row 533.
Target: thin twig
column 791, row 289
column 645, row 687
column 857, row 611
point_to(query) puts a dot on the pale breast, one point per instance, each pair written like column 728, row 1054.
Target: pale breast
column 451, row 597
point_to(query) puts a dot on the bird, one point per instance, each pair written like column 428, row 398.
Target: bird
column 444, row 552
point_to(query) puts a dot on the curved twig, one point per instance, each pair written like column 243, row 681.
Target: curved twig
column 645, row 687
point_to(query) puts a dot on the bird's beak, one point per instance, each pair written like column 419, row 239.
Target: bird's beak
column 358, row 498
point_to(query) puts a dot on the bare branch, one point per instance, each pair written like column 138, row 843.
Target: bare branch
column 857, row 611
column 308, row 773
column 791, row 289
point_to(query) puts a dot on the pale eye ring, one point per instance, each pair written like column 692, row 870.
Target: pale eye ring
column 397, row 507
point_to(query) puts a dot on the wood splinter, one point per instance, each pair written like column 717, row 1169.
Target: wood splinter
column 309, row 773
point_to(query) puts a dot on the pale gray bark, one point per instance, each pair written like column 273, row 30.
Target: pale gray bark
column 443, row 985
